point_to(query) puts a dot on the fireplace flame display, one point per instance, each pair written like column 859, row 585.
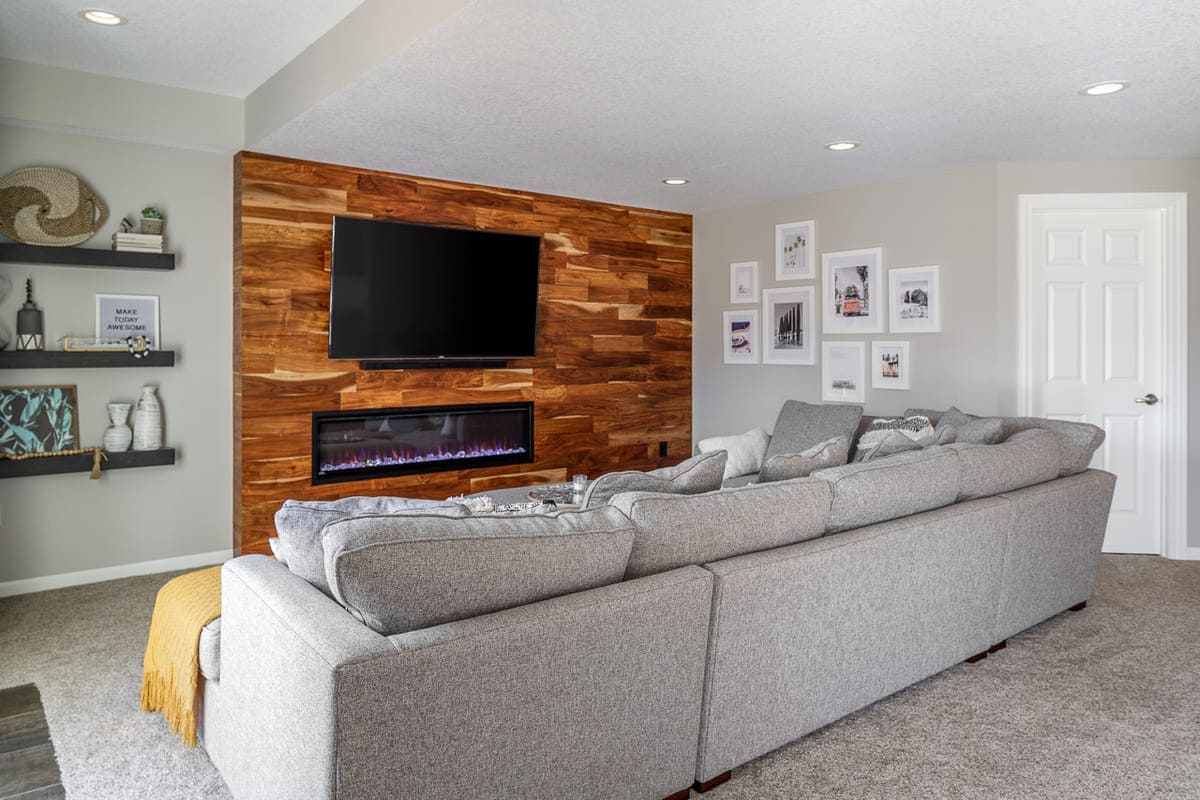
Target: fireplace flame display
column 392, row 457
column 357, row 445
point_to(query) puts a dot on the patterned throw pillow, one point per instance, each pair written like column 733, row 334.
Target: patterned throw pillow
column 887, row 437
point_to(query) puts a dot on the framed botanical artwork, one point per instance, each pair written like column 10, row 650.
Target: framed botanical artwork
column 128, row 315
column 741, row 337
column 743, row 282
column 842, row 376
column 795, row 250
column 788, row 332
column 890, row 365
column 38, row 419
column 853, row 291
column 916, row 300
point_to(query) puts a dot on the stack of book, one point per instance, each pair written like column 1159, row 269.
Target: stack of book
column 138, row 242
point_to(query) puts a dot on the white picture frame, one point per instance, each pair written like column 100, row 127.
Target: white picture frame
column 789, row 330
column 128, row 315
column 795, row 250
column 925, row 314
column 741, row 336
column 853, row 291
column 743, row 282
column 843, row 379
column 891, row 365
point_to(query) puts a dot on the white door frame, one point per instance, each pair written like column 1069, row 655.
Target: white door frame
column 1172, row 208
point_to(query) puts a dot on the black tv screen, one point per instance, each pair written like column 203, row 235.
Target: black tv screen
column 402, row 291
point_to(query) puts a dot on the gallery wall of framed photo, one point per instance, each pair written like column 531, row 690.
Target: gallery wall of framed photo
column 857, row 296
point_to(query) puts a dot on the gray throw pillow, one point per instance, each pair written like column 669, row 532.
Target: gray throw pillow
column 802, row 425
column 299, row 524
column 981, row 430
column 702, row 473
column 1079, row 439
column 829, row 453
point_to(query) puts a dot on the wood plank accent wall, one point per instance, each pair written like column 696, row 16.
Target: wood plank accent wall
column 613, row 372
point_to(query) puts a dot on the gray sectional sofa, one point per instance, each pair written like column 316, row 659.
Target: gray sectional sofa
column 631, row 649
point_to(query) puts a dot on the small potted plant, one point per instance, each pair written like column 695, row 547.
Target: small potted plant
column 152, row 221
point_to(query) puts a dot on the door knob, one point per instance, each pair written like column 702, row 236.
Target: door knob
column 1149, row 399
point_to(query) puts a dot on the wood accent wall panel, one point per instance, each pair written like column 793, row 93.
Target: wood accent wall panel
column 613, row 372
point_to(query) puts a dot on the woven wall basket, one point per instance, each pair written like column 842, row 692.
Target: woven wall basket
column 49, row 206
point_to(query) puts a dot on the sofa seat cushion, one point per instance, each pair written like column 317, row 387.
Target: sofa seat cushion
column 785, row 466
column 745, row 451
column 1026, row 458
column 702, row 473
column 675, row 530
column 299, row 524
column 210, row 650
column 802, row 425
column 404, row 572
column 868, row 492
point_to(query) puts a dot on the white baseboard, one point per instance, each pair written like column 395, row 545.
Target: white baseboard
column 195, row 561
column 1185, row 554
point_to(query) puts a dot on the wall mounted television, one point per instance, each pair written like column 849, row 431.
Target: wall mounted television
column 406, row 292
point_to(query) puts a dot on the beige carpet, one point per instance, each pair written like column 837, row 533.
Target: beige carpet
column 1104, row 703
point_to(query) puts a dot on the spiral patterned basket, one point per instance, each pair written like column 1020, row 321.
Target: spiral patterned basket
column 49, row 206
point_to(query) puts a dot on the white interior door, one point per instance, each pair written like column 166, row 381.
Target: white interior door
column 1094, row 302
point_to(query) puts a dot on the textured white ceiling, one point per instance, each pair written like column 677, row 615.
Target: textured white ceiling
column 222, row 46
column 603, row 99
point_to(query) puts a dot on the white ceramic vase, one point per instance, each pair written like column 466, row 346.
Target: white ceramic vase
column 147, row 421
column 118, row 436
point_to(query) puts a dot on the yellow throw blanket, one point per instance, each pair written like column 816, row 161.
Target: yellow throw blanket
column 171, row 668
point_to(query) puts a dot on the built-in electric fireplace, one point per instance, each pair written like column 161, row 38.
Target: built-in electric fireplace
column 376, row 443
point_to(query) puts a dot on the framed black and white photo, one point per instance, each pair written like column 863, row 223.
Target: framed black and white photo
column 128, row 315
column 853, row 291
column 842, row 376
column 743, row 282
column 741, row 337
column 795, row 250
column 788, row 332
column 890, row 365
column 916, row 300
column 38, row 419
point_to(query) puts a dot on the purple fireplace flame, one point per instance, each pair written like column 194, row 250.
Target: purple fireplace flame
column 357, row 445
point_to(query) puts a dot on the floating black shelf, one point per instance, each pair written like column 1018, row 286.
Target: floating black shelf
column 58, row 465
column 85, row 257
column 56, row 359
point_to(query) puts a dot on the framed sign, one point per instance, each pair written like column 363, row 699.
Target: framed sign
column 741, row 332
column 842, row 376
column 128, row 315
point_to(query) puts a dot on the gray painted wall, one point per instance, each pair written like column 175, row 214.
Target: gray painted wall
column 964, row 220
column 65, row 523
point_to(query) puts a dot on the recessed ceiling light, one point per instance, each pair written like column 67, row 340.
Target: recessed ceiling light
column 675, row 181
column 1104, row 87
column 842, row 145
column 101, row 17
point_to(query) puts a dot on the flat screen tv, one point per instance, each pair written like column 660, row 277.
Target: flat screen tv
column 407, row 292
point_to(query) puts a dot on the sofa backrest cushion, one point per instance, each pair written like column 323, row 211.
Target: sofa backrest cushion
column 801, row 425
column 406, row 572
column 785, row 466
column 744, row 451
column 1029, row 457
column 673, row 530
column 868, row 492
column 702, row 473
column 298, row 524
column 1078, row 444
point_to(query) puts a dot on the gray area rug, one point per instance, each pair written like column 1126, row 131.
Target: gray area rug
column 1104, row 703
